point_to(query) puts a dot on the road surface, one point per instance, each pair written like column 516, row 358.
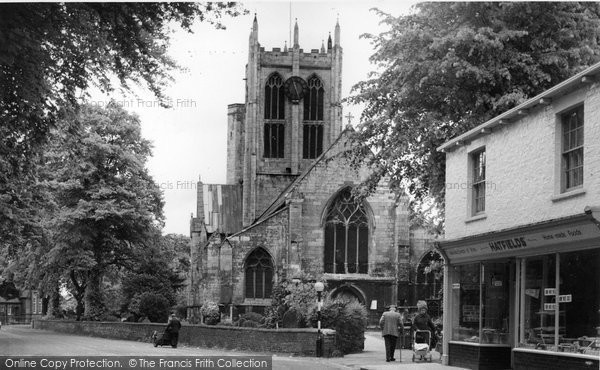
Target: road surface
column 22, row 340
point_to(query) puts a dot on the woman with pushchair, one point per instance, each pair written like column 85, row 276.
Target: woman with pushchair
column 422, row 321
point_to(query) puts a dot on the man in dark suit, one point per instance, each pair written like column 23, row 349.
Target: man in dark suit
column 173, row 329
column 391, row 324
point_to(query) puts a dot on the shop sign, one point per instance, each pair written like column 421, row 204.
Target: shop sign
column 535, row 293
column 523, row 242
column 549, row 291
column 549, row 306
column 564, row 298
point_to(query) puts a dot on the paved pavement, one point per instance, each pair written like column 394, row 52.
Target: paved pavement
column 373, row 357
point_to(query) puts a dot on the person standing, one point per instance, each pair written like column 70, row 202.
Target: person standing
column 173, row 329
column 391, row 325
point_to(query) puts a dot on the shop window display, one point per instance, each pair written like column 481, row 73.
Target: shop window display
column 481, row 303
column 566, row 319
column 466, row 290
column 495, row 297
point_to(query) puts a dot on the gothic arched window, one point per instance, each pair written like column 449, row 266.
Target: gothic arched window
column 313, row 100
column 259, row 274
column 312, row 144
column 274, row 98
column 429, row 279
column 346, row 236
column 274, row 132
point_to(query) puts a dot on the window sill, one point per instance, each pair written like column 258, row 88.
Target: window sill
column 481, row 216
column 568, row 194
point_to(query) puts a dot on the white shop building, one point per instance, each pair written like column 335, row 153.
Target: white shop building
column 522, row 245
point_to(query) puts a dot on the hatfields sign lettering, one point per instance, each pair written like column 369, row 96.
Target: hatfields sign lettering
column 512, row 246
column 513, row 243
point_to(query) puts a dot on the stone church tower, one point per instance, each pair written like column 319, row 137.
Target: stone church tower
column 287, row 209
column 292, row 112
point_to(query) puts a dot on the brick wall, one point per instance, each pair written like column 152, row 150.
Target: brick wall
column 479, row 357
column 523, row 163
column 529, row 360
column 294, row 341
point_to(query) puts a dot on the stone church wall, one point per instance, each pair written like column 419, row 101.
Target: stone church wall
column 270, row 235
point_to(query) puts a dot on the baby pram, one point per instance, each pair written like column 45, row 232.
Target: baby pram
column 163, row 339
column 421, row 345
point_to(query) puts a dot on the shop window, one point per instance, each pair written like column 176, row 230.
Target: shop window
column 346, row 236
column 566, row 319
column 478, row 181
column 572, row 149
column 259, row 274
column 495, row 293
column 481, row 303
column 466, row 300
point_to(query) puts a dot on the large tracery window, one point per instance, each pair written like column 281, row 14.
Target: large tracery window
column 313, row 117
column 346, row 236
column 274, row 132
column 259, row 274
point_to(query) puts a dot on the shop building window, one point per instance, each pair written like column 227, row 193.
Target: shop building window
column 478, row 180
column 481, row 303
column 572, row 149
column 567, row 318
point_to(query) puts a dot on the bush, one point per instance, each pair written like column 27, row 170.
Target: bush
column 348, row 319
column 210, row 312
column 253, row 316
column 155, row 307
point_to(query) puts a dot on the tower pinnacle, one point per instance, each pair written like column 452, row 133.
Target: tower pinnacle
column 296, row 44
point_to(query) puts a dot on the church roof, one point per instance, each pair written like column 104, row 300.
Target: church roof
column 222, row 208
column 279, row 202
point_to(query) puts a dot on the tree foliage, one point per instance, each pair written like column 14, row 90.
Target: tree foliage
column 109, row 209
column 449, row 66
column 50, row 53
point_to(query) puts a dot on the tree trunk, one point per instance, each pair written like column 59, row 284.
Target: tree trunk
column 94, row 300
column 79, row 292
column 53, row 304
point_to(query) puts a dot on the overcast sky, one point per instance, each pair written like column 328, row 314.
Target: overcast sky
column 190, row 138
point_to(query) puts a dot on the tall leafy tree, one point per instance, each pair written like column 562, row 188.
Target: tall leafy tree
column 50, row 53
column 109, row 209
column 449, row 66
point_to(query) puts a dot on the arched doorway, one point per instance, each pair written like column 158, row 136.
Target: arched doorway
column 348, row 292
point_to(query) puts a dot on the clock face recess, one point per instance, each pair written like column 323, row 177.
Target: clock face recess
column 295, row 88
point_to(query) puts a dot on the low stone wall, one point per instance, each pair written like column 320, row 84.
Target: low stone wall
column 294, row 341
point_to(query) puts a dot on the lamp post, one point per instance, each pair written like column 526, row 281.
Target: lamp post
column 319, row 288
